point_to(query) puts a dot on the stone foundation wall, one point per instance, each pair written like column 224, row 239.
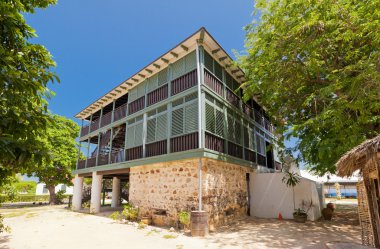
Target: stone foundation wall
column 225, row 191
column 173, row 186
column 170, row 186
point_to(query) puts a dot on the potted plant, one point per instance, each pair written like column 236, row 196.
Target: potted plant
column 291, row 179
column 300, row 215
column 184, row 219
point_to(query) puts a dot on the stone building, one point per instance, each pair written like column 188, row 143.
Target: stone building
column 180, row 133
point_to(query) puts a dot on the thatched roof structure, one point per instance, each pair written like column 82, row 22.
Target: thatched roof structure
column 356, row 158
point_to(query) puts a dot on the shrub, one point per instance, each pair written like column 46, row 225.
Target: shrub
column 3, row 227
column 130, row 213
column 26, row 187
column 60, row 196
column 142, row 225
column 115, row 215
column 27, row 198
column 184, row 218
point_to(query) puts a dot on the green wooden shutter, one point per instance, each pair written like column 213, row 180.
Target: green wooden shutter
column 138, row 134
column 163, row 77
column 191, row 61
column 218, row 70
column 208, row 62
column 151, row 130
column 210, row 118
column 191, row 118
column 178, row 68
column 141, row 89
column 130, row 137
column 132, row 94
column 238, row 131
column 177, row 122
column 161, row 127
column 152, row 83
column 230, row 128
column 219, row 122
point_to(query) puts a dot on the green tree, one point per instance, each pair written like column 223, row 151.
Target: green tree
column 25, row 71
column 316, row 66
column 57, row 167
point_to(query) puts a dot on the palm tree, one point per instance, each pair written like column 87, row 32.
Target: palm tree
column 291, row 179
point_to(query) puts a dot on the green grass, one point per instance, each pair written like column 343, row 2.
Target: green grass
column 169, row 236
column 14, row 214
column 31, row 215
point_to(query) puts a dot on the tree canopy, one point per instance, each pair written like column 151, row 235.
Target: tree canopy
column 315, row 65
column 25, row 71
column 56, row 168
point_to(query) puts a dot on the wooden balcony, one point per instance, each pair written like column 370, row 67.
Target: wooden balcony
column 184, row 82
column 157, row 95
column 85, row 130
column 232, row 98
column 106, row 119
column 156, row 148
column 215, row 84
column 213, row 142
column 234, row 150
column 136, row 105
column 120, row 112
column 185, row 142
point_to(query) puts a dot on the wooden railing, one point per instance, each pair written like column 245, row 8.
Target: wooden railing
column 156, row 148
column 232, row 98
column 184, row 82
column 258, row 117
column 234, row 150
column 95, row 125
column 136, row 105
column 106, row 119
column 81, row 164
column 248, row 110
column 213, row 142
column 134, row 153
column 212, row 82
column 157, row 95
column 250, row 155
column 85, row 130
column 102, row 160
column 91, row 162
column 117, row 156
column 185, row 142
column 120, row 112
column 261, row 160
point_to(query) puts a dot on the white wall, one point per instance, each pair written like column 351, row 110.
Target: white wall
column 41, row 186
column 270, row 196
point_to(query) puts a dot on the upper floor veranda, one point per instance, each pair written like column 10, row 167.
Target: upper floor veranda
column 161, row 109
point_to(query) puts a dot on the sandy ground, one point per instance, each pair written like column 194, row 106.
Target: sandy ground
column 56, row 227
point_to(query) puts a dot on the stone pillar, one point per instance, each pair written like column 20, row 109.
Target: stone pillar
column 115, row 192
column 77, row 195
column 96, row 190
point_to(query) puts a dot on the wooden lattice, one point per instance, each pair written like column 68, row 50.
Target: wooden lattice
column 364, row 216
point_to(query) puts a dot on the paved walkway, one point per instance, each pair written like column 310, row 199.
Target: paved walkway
column 56, row 227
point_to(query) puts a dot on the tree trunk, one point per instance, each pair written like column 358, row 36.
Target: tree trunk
column 52, row 198
column 294, row 199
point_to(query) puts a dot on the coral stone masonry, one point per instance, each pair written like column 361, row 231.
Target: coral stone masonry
column 173, row 186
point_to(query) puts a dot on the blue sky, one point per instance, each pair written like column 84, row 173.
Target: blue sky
column 98, row 44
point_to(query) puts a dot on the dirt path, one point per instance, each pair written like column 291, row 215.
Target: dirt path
column 55, row 227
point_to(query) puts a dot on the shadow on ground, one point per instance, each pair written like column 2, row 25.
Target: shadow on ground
column 4, row 239
column 272, row 233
